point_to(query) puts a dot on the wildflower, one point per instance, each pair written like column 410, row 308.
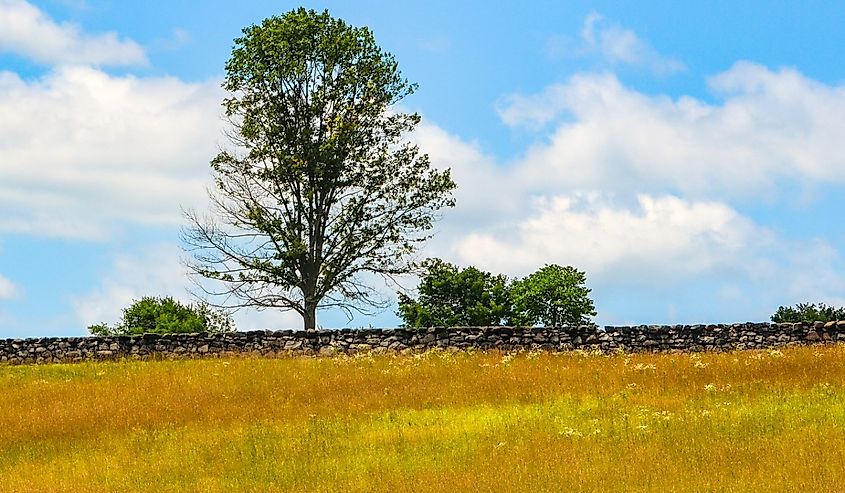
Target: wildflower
column 710, row 387
column 571, row 432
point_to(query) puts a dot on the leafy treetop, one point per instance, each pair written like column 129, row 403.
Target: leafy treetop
column 808, row 312
column 166, row 316
column 450, row 296
column 554, row 296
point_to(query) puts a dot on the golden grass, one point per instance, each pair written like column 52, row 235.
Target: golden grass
column 742, row 421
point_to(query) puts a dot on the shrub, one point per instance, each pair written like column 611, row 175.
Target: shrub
column 808, row 312
column 166, row 316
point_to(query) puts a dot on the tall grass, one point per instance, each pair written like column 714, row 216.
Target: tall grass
column 759, row 421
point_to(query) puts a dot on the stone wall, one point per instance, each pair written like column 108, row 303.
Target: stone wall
column 326, row 342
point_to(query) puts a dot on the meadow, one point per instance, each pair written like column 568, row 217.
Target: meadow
column 469, row 421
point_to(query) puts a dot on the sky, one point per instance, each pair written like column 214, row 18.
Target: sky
column 686, row 155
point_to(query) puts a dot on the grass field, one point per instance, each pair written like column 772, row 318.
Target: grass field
column 742, row 421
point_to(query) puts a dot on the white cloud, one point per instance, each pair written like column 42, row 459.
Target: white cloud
column 619, row 45
column 475, row 172
column 8, row 289
column 643, row 193
column 83, row 149
column 771, row 128
column 156, row 272
column 27, row 31
column 159, row 272
column 249, row 319
column 614, row 45
column 666, row 237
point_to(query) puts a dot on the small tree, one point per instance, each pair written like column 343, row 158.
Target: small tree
column 453, row 297
column 320, row 187
column 554, row 296
column 807, row 312
column 166, row 316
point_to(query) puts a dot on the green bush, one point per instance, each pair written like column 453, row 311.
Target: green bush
column 166, row 316
column 808, row 312
column 453, row 297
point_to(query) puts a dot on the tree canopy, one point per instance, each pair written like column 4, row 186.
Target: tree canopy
column 451, row 296
column 554, row 296
column 320, row 186
column 454, row 297
column 808, row 312
column 166, row 316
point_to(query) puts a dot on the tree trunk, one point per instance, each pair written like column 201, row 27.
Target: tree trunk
column 309, row 318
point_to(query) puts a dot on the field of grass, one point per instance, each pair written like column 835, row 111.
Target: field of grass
column 741, row 421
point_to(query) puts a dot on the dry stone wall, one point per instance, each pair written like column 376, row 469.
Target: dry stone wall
column 666, row 338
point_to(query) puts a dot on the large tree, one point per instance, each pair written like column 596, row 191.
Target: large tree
column 554, row 296
column 320, row 185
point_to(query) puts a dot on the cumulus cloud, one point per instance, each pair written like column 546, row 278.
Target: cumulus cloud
column 8, row 289
column 158, row 271
column 644, row 192
column 475, row 172
column 83, row 149
column 679, row 260
column 27, row 31
column 666, row 236
column 768, row 128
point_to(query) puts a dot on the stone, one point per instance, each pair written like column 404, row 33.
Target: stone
column 667, row 338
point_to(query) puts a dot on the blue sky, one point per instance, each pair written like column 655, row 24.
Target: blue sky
column 686, row 155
